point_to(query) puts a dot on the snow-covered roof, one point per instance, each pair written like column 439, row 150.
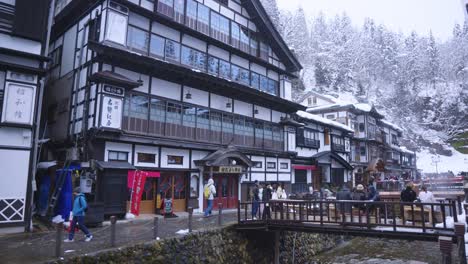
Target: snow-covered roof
column 405, row 150
column 328, row 107
column 322, row 120
column 385, row 122
column 363, row 107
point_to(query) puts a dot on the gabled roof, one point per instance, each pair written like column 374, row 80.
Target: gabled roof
column 325, row 97
column 355, row 108
column 115, row 79
column 334, row 156
column 263, row 23
column 216, row 158
column 324, row 121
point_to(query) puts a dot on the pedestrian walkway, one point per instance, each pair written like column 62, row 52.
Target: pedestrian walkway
column 40, row 247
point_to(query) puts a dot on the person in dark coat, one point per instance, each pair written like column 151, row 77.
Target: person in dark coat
column 408, row 195
column 359, row 195
column 255, row 200
column 267, row 194
column 344, row 195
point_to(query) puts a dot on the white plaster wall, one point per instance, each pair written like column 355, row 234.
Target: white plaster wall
column 288, row 161
column 199, row 97
column 271, row 177
column 257, row 176
column 197, row 155
column 240, row 61
column 258, row 69
column 219, row 102
column 261, row 159
column 15, row 167
column 166, row 89
column 271, row 159
column 20, row 44
column 212, row 4
column 273, row 75
column 276, row 116
column 241, row 20
column 227, row 12
column 305, row 152
column 146, row 149
column 243, row 108
column 218, row 52
column 69, row 45
column 193, row 42
column 165, row 31
column 135, row 76
column 15, row 137
column 287, row 90
column 115, row 146
column 263, row 113
column 175, row 152
column 235, row 6
column 284, row 177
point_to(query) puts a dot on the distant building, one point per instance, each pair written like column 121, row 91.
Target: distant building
column 375, row 149
column 22, row 32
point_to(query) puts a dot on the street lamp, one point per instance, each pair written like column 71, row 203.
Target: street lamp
column 435, row 161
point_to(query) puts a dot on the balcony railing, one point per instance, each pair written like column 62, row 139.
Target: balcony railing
column 338, row 147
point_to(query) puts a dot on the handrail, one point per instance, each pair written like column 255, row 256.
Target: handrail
column 393, row 216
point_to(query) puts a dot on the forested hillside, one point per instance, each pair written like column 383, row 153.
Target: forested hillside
column 419, row 82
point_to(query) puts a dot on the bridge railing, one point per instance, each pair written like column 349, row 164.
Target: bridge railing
column 383, row 215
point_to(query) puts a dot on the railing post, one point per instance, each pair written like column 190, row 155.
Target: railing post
column 58, row 239
column 190, row 219
column 423, row 219
column 460, row 233
column 113, row 221
column 321, row 212
column 220, row 214
column 238, row 211
column 455, row 214
column 445, row 245
column 155, row 227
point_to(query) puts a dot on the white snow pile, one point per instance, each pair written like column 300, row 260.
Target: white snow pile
column 57, row 219
column 450, row 223
column 129, row 216
column 323, row 120
column 182, row 232
column 457, row 162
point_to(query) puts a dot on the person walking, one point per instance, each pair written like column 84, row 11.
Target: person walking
column 267, row 195
column 209, row 192
column 79, row 208
column 255, row 200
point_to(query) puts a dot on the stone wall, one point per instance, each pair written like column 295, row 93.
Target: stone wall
column 217, row 246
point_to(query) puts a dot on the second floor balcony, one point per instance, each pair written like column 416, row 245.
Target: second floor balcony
column 338, row 147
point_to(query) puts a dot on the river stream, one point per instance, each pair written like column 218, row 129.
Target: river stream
column 383, row 251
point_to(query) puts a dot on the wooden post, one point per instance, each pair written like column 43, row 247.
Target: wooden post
column 113, row 221
column 220, row 212
column 460, row 233
column 190, row 218
column 58, row 240
column 445, row 245
column 155, row 227
column 277, row 249
column 238, row 211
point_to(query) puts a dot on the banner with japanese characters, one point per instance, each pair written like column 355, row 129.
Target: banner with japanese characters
column 18, row 106
column 111, row 112
column 138, row 185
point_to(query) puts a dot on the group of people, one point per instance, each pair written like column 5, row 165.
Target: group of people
column 409, row 195
column 261, row 194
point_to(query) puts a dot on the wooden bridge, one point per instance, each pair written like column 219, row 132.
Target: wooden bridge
column 385, row 219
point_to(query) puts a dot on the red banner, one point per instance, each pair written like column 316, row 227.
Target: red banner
column 304, row 167
column 149, row 174
column 139, row 178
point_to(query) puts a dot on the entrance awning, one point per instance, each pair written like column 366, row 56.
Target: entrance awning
column 116, row 165
column 222, row 157
column 46, row 164
column 333, row 156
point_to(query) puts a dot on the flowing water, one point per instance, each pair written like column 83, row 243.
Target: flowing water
column 383, row 251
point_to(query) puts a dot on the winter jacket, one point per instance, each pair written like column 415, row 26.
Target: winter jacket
column 79, row 205
column 255, row 193
column 373, row 193
column 408, row 195
column 210, row 185
column 344, row 194
column 267, row 194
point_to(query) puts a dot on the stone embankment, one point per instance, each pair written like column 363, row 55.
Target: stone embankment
column 218, row 246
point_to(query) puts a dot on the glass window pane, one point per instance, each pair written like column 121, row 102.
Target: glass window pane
column 255, row 81
column 213, row 65
column 272, row 87
column 137, row 39
column 244, row 40
column 113, row 155
column 235, row 34
column 189, row 116
column 203, row 118
column 116, row 30
column 158, row 110
column 235, row 73
column 139, row 107
column 203, row 19
column 191, row 18
column 224, row 69
column 179, row 6
column 172, row 49
column 165, row 7
column 174, row 113
column 244, row 77
column 157, row 46
column 263, row 83
column 224, row 28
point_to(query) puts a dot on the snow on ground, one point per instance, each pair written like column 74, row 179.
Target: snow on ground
column 457, row 162
column 182, row 232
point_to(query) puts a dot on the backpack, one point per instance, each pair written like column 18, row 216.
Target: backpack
column 207, row 191
column 86, row 208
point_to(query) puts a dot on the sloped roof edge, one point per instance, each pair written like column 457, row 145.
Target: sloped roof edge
column 277, row 41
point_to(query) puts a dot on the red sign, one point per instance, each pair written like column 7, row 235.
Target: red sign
column 149, row 174
column 304, row 167
column 138, row 187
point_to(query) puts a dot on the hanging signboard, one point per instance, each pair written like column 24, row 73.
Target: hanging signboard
column 18, row 106
column 230, row 169
column 111, row 112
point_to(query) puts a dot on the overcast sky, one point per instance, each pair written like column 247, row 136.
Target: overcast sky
column 399, row 15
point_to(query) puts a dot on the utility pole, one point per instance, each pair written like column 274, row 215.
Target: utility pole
column 435, row 161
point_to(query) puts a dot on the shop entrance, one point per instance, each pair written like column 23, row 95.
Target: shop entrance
column 174, row 185
column 227, row 191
